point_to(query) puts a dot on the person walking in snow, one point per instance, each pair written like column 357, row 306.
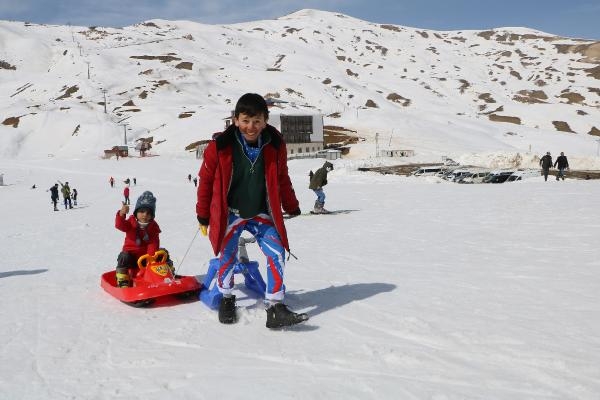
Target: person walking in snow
column 562, row 163
column 74, row 195
column 112, row 182
column 126, row 194
column 546, row 164
column 54, row 195
column 244, row 184
column 141, row 235
column 66, row 192
column 317, row 181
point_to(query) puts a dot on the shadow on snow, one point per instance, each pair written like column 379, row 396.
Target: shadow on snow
column 22, row 272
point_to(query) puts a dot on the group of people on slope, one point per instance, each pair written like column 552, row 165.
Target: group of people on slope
column 561, row 163
column 69, row 195
column 195, row 180
column 244, row 185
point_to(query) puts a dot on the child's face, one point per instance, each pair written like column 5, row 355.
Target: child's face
column 251, row 127
column 143, row 215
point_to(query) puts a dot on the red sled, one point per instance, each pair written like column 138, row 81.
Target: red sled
column 153, row 279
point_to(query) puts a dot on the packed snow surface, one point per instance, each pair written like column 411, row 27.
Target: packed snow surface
column 427, row 290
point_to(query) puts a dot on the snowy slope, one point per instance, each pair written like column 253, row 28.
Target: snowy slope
column 426, row 291
column 440, row 93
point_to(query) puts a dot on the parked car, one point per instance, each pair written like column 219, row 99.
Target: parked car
column 498, row 176
column 474, row 177
column 523, row 174
column 445, row 172
column 457, row 174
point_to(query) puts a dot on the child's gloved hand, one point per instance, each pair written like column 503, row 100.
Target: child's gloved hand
column 124, row 209
column 204, row 230
column 203, row 225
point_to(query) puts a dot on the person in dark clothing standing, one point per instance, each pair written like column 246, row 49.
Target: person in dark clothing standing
column 546, row 164
column 54, row 195
column 74, row 196
column 562, row 163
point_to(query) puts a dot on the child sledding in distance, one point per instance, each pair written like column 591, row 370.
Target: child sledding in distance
column 141, row 236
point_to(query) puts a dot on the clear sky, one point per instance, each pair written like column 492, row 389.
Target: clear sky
column 573, row 18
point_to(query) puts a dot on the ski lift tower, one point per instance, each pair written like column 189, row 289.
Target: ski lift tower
column 124, row 125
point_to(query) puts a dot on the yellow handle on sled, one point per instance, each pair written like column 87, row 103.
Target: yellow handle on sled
column 160, row 256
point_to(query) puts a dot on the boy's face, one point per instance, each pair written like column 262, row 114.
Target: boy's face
column 251, row 127
column 143, row 215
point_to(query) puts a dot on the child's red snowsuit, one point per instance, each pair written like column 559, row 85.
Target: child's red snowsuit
column 138, row 241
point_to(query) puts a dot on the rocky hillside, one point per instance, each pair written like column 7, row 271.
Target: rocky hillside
column 69, row 90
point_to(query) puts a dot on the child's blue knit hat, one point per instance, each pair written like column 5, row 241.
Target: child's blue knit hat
column 146, row 200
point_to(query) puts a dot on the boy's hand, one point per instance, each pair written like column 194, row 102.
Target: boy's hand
column 124, row 209
column 203, row 225
column 204, row 230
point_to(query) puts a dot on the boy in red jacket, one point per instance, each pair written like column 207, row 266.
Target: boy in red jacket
column 141, row 235
column 244, row 184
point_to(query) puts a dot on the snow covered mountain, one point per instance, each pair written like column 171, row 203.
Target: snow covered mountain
column 451, row 93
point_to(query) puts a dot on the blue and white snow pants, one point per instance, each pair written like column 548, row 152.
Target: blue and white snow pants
column 263, row 229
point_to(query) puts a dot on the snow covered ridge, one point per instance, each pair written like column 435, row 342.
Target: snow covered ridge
column 74, row 91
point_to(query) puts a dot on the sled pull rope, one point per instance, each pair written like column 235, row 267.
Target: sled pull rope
column 187, row 251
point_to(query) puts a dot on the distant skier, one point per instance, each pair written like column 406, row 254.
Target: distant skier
column 189, row 177
column 134, row 181
column 546, row 164
column 562, row 164
column 112, row 182
column 54, row 195
column 317, row 181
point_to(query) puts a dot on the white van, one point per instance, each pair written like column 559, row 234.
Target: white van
column 523, row 174
column 425, row 171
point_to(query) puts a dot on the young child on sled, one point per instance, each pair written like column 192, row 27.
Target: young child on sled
column 141, row 235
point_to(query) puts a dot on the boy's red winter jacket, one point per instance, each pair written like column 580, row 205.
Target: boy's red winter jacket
column 215, row 178
column 148, row 238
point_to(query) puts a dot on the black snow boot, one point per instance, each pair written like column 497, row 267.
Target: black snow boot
column 227, row 310
column 279, row 316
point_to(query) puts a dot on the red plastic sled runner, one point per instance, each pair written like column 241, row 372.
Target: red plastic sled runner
column 152, row 280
